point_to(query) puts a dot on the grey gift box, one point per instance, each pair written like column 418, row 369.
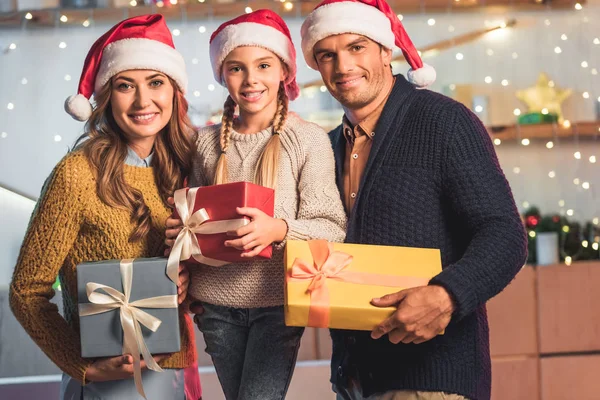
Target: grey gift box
column 102, row 334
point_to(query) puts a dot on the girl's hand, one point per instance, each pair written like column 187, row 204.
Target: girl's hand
column 115, row 368
column 258, row 234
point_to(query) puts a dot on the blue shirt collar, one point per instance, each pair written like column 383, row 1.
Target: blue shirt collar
column 134, row 160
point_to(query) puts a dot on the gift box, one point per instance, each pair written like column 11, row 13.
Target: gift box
column 332, row 284
column 117, row 295
column 208, row 213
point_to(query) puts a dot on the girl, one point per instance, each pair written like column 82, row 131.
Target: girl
column 107, row 200
column 254, row 353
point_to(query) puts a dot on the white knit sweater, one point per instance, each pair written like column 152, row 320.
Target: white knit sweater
column 306, row 197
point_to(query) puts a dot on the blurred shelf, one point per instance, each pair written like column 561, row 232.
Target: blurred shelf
column 585, row 130
column 194, row 9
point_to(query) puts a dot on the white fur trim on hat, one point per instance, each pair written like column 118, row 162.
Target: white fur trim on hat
column 423, row 76
column 141, row 53
column 78, row 107
column 249, row 34
column 344, row 17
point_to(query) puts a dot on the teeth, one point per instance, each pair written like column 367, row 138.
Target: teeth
column 350, row 81
column 143, row 117
column 252, row 95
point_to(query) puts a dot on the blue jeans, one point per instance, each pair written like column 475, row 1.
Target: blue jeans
column 253, row 352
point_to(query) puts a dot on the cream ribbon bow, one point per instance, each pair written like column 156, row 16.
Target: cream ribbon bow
column 186, row 244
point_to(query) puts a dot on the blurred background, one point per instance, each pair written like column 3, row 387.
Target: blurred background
column 528, row 68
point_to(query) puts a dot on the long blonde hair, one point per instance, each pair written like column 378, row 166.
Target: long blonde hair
column 106, row 149
column 268, row 164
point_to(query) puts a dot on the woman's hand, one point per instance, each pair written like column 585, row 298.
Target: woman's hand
column 174, row 226
column 183, row 284
column 115, row 368
column 258, row 234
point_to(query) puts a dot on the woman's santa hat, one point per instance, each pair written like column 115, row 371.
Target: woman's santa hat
column 371, row 18
column 262, row 28
column 142, row 42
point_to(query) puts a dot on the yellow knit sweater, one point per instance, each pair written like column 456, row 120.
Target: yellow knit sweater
column 70, row 224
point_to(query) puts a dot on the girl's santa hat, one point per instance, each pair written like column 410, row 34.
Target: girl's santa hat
column 142, row 42
column 371, row 18
column 262, row 28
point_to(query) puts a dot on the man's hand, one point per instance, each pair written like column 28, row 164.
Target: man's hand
column 258, row 234
column 422, row 313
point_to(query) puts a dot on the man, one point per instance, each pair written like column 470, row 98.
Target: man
column 415, row 169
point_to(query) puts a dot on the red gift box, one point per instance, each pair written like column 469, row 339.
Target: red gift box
column 211, row 212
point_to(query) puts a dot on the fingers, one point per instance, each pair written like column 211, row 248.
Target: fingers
column 171, row 201
column 249, row 212
column 196, row 308
column 126, row 359
column 241, row 243
column 184, row 274
column 384, row 328
column 197, row 320
column 243, row 231
column 256, row 251
column 128, row 367
column 184, row 282
column 400, row 335
column 172, row 233
column 391, row 299
column 173, row 223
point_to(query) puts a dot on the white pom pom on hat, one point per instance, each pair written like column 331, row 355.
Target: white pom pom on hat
column 79, row 107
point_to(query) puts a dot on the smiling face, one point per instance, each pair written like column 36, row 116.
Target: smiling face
column 252, row 76
column 141, row 103
column 353, row 67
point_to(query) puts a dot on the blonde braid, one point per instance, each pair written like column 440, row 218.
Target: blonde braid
column 221, row 174
column 268, row 164
column 282, row 110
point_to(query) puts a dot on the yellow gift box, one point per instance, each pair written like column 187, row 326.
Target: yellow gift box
column 332, row 284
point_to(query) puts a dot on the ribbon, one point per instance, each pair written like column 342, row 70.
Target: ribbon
column 331, row 264
column 186, row 244
column 131, row 317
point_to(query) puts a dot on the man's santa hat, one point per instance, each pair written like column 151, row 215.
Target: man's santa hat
column 262, row 28
column 371, row 18
column 142, row 42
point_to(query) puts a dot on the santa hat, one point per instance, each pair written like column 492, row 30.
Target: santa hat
column 371, row 18
column 142, row 42
column 262, row 28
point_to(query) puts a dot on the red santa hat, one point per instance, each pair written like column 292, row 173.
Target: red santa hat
column 371, row 18
column 142, row 42
column 262, row 28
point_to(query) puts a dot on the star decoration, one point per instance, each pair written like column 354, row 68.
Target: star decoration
column 544, row 95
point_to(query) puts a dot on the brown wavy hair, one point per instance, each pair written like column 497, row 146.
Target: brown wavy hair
column 106, row 150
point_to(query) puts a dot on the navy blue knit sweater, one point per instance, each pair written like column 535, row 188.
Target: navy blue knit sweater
column 433, row 181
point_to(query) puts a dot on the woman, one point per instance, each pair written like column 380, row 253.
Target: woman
column 108, row 200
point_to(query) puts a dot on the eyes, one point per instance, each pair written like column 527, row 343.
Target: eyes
column 125, row 86
column 328, row 56
column 237, row 68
